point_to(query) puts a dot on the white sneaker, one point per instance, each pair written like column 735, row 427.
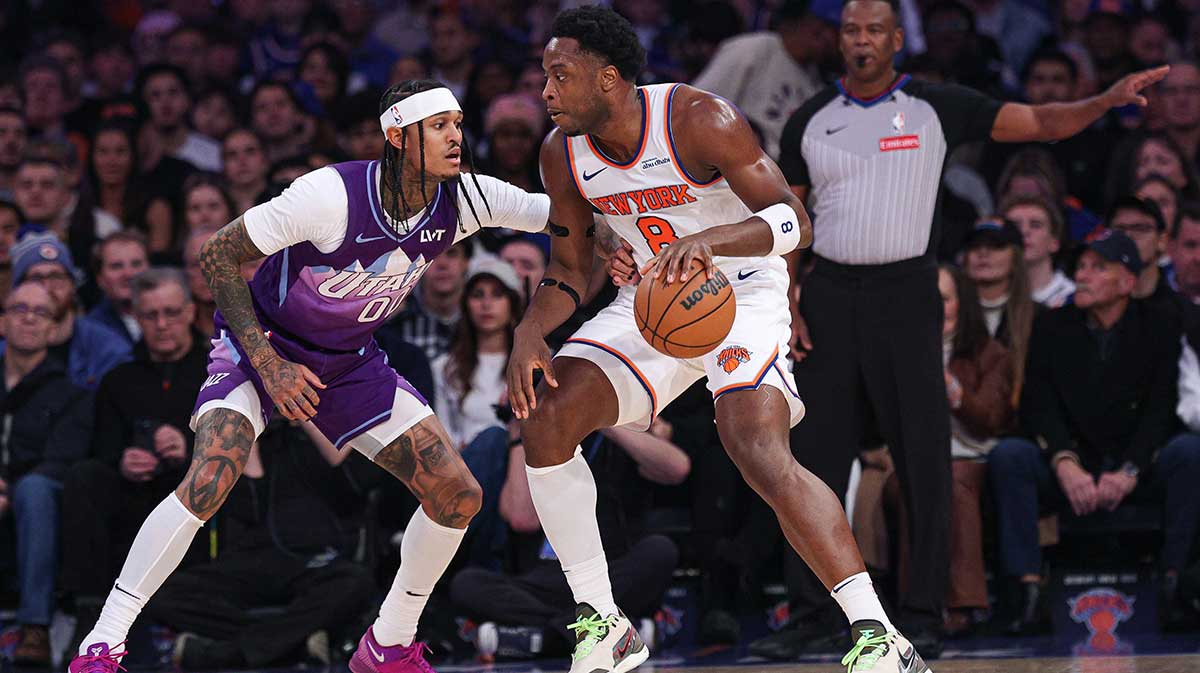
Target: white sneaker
column 881, row 652
column 605, row 644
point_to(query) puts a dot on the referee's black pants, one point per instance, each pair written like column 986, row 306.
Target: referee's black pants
column 876, row 367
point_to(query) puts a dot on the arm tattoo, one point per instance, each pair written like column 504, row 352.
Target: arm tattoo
column 434, row 473
column 223, row 441
column 221, row 258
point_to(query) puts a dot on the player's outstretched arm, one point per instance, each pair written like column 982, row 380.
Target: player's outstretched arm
column 566, row 278
column 221, row 256
column 711, row 137
column 1017, row 122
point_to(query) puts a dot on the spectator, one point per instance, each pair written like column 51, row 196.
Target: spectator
column 514, row 131
column 431, row 313
column 288, row 529
column 1180, row 93
column 246, row 168
column 412, row 68
column 370, row 58
column 284, row 172
column 1159, row 191
column 1033, row 172
column 182, row 47
column 215, row 113
column 489, row 81
column 1041, row 229
column 708, row 24
column 531, row 80
column 222, row 58
column 113, row 174
column 141, row 445
column 528, row 257
column 1106, row 36
column 452, row 42
column 112, row 69
column 469, row 377
column 119, row 258
column 276, row 47
column 956, row 48
column 163, row 89
column 1143, row 223
column 11, row 218
column 67, row 49
column 44, row 89
column 326, row 72
column 1154, row 154
column 277, row 118
column 45, row 196
column 1017, row 28
column 358, row 127
column 207, row 204
column 1053, row 77
column 12, row 148
column 198, row 287
column 979, row 387
column 1150, row 42
column 1099, row 401
column 1184, row 250
column 538, row 602
column 88, row 349
column 995, row 263
column 769, row 74
column 47, row 421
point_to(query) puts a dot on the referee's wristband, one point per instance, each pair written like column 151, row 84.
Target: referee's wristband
column 785, row 230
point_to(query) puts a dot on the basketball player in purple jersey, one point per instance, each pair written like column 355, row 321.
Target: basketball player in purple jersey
column 344, row 245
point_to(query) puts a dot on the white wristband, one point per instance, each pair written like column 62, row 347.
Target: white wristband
column 785, row 229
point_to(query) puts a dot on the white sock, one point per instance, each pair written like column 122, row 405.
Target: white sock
column 565, row 499
column 425, row 552
column 857, row 598
column 158, row 548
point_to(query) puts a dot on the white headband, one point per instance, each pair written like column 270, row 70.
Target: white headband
column 417, row 107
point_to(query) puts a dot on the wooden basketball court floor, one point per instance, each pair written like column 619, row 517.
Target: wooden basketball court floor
column 1091, row 664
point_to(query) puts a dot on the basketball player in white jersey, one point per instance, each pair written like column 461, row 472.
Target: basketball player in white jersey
column 679, row 174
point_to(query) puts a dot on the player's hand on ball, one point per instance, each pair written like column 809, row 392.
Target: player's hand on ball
column 292, row 386
column 529, row 353
column 621, row 266
column 674, row 261
column 1128, row 89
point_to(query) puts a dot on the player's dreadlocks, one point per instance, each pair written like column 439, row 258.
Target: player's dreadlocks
column 393, row 159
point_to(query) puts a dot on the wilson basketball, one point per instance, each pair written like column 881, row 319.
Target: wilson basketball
column 688, row 319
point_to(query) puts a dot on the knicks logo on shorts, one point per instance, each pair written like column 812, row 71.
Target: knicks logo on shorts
column 731, row 357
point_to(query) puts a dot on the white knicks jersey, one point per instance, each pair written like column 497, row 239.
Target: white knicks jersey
column 651, row 200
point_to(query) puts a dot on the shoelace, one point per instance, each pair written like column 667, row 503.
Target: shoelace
column 595, row 628
column 415, row 656
column 867, row 651
column 109, row 661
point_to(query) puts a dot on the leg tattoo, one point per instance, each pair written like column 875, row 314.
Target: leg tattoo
column 223, row 441
column 436, row 474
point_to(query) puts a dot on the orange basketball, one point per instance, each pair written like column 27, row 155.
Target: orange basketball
column 688, row 319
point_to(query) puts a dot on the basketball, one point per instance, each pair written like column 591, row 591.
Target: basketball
column 688, row 319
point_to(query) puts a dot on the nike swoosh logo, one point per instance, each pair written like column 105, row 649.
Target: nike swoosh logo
column 374, row 652
column 832, row 131
column 743, row 275
column 623, row 648
column 842, row 585
column 360, row 239
column 587, row 177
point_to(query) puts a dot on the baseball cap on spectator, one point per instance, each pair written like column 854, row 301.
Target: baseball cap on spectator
column 35, row 249
column 496, row 268
column 995, row 232
column 1145, row 206
column 1115, row 246
column 514, row 107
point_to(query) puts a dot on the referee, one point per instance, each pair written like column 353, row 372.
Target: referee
column 870, row 150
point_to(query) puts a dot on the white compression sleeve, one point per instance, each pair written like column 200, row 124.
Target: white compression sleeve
column 425, row 552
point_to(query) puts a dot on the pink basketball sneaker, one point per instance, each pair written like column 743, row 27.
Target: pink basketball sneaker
column 99, row 659
column 371, row 657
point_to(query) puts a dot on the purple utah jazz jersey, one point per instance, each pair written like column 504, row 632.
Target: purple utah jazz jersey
column 336, row 301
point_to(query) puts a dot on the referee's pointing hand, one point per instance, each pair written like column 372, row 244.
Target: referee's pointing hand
column 1127, row 90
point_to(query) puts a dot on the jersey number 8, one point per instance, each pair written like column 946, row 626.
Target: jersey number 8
column 658, row 232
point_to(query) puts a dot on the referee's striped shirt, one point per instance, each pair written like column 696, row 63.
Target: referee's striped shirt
column 874, row 166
